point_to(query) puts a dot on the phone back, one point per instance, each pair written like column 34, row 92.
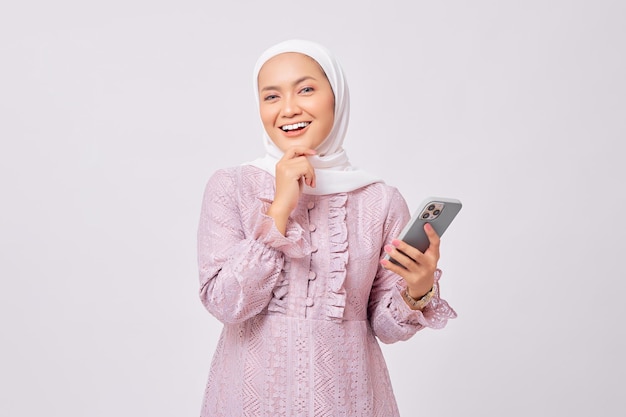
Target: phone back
column 437, row 211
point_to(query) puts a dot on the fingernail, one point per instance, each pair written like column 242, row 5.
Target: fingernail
column 388, row 248
column 395, row 242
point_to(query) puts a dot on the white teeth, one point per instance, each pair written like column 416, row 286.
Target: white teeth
column 295, row 126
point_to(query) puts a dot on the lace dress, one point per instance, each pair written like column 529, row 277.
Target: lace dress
column 302, row 313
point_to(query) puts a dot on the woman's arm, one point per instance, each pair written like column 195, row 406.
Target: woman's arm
column 239, row 260
column 390, row 316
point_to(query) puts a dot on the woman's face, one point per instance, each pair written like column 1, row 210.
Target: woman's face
column 296, row 101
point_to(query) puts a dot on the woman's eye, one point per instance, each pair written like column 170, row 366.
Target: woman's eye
column 270, row 97
column 307, row 90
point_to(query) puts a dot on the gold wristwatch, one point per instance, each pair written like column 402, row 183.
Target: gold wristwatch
column 421, row 302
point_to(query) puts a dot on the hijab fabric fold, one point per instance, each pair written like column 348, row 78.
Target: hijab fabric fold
column 333, row 171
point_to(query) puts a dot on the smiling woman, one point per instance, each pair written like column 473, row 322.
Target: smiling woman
column 291, row 257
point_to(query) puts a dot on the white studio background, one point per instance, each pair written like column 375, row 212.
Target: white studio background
column 114, row 114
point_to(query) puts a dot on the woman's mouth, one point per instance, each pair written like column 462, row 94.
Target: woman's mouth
column 295, row 128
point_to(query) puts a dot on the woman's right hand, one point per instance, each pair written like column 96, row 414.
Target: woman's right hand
column 292, row 170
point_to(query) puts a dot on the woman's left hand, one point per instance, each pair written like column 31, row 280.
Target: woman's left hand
column 418, row 269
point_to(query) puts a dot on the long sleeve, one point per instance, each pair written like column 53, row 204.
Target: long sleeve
column 391, row 318
column 240, row 251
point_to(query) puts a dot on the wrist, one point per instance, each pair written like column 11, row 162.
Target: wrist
column 279, row 209
column 281, row 217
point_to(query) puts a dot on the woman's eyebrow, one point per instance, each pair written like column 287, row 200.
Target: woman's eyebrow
column 296, row 82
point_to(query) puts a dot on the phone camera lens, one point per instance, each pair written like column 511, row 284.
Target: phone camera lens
column 436, row 212
column 431, row 207
column 425, row 215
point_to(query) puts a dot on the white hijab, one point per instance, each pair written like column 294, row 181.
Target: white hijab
column 333, row 171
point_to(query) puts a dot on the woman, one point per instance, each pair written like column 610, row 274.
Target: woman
column 291, row 250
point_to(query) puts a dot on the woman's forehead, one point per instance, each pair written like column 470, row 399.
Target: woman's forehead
column 287, row 63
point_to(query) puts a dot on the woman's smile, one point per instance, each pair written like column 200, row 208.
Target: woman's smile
column 295, row 129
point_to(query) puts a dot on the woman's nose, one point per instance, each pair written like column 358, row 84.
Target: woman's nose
column 290, row 107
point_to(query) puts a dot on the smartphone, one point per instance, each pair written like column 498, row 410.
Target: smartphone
column 437, row 211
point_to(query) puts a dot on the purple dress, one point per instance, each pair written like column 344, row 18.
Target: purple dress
column 302, row 313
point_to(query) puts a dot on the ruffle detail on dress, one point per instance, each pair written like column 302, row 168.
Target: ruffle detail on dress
column 293, row 244
column 435, row 315
column 338, row 237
